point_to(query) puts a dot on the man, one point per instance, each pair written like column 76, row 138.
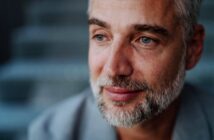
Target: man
column 139, row 53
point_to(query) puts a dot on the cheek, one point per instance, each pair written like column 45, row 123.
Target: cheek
column 96, row 63
column 160, row 70
column 166, row 71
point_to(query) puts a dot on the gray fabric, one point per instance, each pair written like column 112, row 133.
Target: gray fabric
column 192, row 121
column 79, row 119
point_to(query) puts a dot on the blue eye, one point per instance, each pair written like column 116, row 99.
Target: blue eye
column 146, row 40
column 99, row 37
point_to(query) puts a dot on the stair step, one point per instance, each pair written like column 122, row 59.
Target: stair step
column 51, row 42
column 57, row 13
column 45, row 70
column 23, row 81
column 206, row 10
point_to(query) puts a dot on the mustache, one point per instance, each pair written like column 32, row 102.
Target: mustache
column 123, row 82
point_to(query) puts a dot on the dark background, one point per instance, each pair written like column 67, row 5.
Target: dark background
column 43, row 58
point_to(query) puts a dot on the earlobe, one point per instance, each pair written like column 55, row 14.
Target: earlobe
column 195, row 47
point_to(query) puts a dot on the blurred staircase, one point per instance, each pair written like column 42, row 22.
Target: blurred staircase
column 50, row 61
column 51, row 49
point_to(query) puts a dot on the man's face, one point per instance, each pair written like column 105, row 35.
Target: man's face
column 136, row 58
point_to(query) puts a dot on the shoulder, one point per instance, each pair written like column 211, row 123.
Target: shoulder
column 205, row 99
column 57, row 120
column 204, row 96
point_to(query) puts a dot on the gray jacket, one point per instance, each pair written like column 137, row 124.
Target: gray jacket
column 78, row 118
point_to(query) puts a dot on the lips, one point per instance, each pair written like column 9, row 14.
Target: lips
column 120, row 94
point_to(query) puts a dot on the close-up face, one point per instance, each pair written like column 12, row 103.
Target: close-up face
column 136, row 58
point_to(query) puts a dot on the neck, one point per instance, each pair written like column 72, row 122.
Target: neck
column 158, row 128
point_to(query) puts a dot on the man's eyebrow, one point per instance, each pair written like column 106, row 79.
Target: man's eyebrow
column 95, row 21
column 138, row 27
column 151, row 28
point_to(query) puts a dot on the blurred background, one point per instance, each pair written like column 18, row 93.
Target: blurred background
column 43, row 58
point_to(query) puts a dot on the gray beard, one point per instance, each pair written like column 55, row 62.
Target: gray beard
column 155, row 102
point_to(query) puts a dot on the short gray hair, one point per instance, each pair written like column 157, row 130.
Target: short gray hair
column 188, row 12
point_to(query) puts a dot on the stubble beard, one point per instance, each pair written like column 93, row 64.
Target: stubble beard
column 155, row 101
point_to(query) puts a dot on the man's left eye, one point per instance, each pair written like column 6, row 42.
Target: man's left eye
column 146, row 40
column 99, row 37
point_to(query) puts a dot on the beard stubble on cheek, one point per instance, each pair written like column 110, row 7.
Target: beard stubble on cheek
column 155, row 100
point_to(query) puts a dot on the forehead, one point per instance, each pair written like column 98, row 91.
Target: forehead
column 133, row 11
column 132, row 4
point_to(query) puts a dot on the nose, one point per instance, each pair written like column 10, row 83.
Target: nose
column 119, row 61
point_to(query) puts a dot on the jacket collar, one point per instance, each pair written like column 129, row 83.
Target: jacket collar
column 191, row 123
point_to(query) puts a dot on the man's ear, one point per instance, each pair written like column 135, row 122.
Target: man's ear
column 195, row 47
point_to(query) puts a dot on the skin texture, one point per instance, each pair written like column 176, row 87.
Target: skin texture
column 142, row 41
